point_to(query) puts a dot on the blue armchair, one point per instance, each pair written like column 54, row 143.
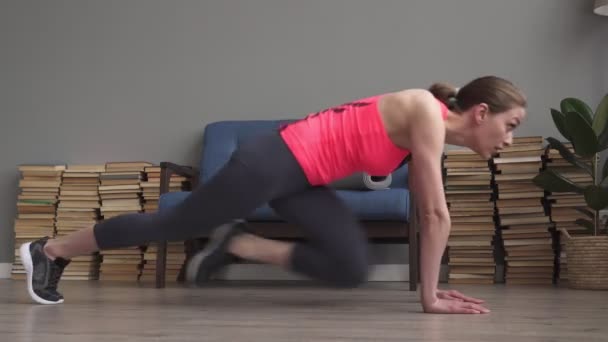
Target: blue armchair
column 386, row 214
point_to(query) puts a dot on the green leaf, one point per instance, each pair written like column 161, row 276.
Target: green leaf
column 600, row 120
column 554, row 182
column 585, row 223
column 582, row 136
column 571, row 104
column 603, row 140
column 596, row 197
column 560, row 122
column 569, row 156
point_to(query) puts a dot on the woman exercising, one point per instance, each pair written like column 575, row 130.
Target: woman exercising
column 372, row 135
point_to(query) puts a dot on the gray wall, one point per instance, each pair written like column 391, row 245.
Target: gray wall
column 95, row 81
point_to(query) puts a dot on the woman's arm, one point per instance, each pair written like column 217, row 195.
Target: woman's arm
column 426, row 138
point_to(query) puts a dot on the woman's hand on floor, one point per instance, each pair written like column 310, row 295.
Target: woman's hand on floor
column 454, row 302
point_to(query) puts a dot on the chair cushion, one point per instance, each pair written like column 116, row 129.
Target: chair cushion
column 378, row 205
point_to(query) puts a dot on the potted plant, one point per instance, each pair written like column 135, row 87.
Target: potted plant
column 587, row 132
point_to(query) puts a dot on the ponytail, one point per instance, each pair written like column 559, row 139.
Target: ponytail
column 445, row 93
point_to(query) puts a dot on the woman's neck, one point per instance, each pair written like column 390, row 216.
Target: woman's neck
column 456, row 129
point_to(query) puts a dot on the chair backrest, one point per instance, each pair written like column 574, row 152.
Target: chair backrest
column 221, row 138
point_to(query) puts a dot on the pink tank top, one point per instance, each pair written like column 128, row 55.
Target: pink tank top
column 336, row 142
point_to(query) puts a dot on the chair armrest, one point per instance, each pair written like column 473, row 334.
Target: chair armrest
column 167, row 169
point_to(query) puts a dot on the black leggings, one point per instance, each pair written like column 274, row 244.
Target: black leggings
column 263, row 171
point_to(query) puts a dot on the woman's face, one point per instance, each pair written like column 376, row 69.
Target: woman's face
column 492, row 132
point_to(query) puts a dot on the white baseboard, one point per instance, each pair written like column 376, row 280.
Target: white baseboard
column 256, row 272
column 269, row 272
column 383, row 272
column 5, row 270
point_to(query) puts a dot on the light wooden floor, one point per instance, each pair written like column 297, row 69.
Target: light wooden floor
column 296, row 312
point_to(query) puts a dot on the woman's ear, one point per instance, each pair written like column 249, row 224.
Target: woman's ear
column 480, row 112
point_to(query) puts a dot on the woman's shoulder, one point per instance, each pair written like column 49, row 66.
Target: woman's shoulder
column 408, row 111
column 411, row 105
column 412, row 99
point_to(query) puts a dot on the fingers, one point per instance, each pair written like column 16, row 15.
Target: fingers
column 470, row 311
column 460, row 309
column 455, row 307
column 469, row 308
column 459, row 295
column 448, row 296
column 476, row 307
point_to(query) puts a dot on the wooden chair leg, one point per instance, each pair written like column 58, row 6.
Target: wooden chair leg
column 161, row 260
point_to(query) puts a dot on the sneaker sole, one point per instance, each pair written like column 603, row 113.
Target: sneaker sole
column 217, row 237
column 26, row 259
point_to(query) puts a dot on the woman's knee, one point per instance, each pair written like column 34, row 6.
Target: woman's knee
column 352, row 275
column 350, row 269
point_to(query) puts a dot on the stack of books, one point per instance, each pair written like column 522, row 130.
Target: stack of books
column 78, row 208
column 525, row 227
column 120, row 188
column 123, row 264
column 151, row 187
column 176, row 257
column 120, row 193
column 567, row 207
column 36, row 207
column 469, row 196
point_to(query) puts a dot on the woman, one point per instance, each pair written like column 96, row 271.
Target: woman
column 373, row 135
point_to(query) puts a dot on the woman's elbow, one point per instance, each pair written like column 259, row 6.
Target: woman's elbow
column 436, row 218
